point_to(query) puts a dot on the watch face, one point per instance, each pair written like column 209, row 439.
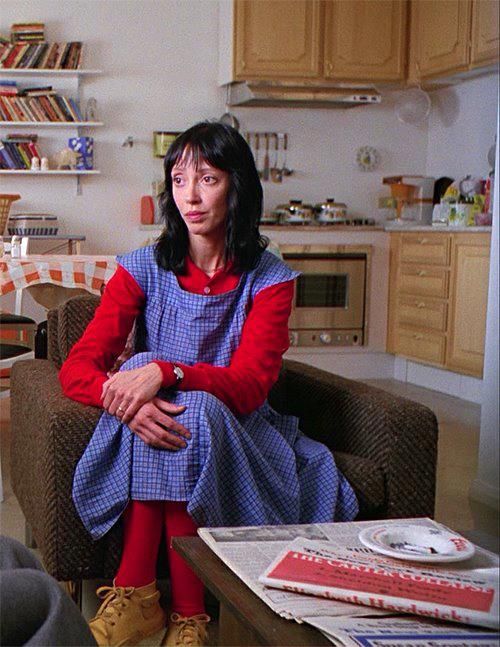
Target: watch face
column 179, row 373
column 367, row 158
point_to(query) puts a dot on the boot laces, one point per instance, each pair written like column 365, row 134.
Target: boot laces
column 115, row 598
column 192, row 630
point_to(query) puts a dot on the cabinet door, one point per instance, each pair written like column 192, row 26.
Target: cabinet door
column 277, row 39
column 469, row 286
column 485, row 32
column 439, row 41
column 429, row 347
column 365, row 40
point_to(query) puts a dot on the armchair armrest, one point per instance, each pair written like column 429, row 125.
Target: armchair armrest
column 397, row 435
column 50, row 435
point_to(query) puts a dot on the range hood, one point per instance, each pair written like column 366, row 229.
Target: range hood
column 269, row 94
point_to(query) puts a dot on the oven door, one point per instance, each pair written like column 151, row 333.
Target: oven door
column 329, row 293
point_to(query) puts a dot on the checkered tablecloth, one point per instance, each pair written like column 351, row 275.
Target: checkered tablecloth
column 87, row 272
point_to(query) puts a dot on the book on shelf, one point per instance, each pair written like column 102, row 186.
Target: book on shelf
column 76, row 109
column 11, row 149
column 47, row 107
column 39, row 54
column 18, row 150
column 33, row 92
column 50, row 58
column 27, row 31
column 38, row 104
column 8, row 88
column 6, row 158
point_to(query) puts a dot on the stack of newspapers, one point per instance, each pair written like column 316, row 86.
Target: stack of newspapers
column 324, row 575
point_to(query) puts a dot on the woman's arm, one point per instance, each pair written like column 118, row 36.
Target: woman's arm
column 245, row 383
column 85, row 370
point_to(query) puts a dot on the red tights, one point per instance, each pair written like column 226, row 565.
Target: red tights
column 143, row 524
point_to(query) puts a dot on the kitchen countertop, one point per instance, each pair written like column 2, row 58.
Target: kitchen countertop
column 433, row 228
column 323, row 228
column 329, row 228
column 388, row 227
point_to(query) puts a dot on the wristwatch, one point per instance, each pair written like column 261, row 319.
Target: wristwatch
column 179, row 374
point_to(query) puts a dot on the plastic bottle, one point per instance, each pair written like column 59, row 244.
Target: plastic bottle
column 15, row 247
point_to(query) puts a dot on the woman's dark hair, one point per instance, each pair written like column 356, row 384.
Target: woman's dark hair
column 224, row 148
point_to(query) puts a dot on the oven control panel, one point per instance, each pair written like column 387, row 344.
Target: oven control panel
column 326, row 337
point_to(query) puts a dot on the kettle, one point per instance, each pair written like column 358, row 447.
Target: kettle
column 331, row 211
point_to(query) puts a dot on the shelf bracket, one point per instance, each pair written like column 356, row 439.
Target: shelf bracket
column 78, row 185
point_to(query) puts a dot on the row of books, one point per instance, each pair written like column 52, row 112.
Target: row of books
column 42, row 105
column 27, row 31
column 41, row 55
column 17, row 151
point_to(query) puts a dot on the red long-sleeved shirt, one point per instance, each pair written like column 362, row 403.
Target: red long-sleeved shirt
column 242, row 386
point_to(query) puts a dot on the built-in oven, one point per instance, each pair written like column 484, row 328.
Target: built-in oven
column 330, row 295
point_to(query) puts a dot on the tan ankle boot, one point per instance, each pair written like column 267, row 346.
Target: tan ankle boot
column 127, row 615
column 190, row 631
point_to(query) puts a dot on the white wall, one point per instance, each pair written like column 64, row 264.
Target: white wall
column 486, row 486
column 462, row 127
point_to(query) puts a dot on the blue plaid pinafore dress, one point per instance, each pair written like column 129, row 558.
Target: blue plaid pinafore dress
column 236, row 470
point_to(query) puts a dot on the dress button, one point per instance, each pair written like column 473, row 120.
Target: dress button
column 206, row 290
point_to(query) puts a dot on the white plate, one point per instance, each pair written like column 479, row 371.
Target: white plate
column 417, row 543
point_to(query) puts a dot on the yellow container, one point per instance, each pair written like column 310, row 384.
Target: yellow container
column 162, row 141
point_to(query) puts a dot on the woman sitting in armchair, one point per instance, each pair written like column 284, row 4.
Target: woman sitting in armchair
column 187, row 437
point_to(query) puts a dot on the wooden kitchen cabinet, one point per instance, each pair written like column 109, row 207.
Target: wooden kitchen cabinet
column 470, row 266
column 438, row 287
column 365, row 40
column 277, row 40
column 485, row 32
column 318, row 40
column 451, row 36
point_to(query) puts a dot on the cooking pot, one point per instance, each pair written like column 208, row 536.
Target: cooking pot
column 331, row 211
column 294, row 213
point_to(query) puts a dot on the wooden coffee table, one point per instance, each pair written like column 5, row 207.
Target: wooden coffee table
column 244, row 619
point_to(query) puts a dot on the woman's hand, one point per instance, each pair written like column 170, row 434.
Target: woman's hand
column 125, row 392
column 153, row 423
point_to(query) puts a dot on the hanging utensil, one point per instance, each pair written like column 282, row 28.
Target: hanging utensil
column 276, row 175
column 257, row 154
column 284, row 169
column 228, row 118
column 265, row 170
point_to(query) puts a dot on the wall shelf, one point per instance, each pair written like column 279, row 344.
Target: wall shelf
column 54, row 172
column 26, row 71
column 73, row 78
column 51, row 124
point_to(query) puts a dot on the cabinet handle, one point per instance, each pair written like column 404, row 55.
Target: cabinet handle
column 422, row 241
column 418, row 336
column 329, row 67
column 422, row 273
column 420, row 305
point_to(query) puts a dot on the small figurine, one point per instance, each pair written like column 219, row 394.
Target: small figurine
column 66, row 159
column 35, row 164
column 44, row 164
column 91, row 110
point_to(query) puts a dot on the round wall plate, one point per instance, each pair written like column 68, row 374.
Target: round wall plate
column 367, row 158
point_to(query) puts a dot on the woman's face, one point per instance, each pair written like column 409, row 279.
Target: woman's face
column 200, row 193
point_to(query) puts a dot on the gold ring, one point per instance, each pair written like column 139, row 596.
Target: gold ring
column 120, row 409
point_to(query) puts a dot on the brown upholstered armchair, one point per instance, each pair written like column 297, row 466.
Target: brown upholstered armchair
column 385, row 445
